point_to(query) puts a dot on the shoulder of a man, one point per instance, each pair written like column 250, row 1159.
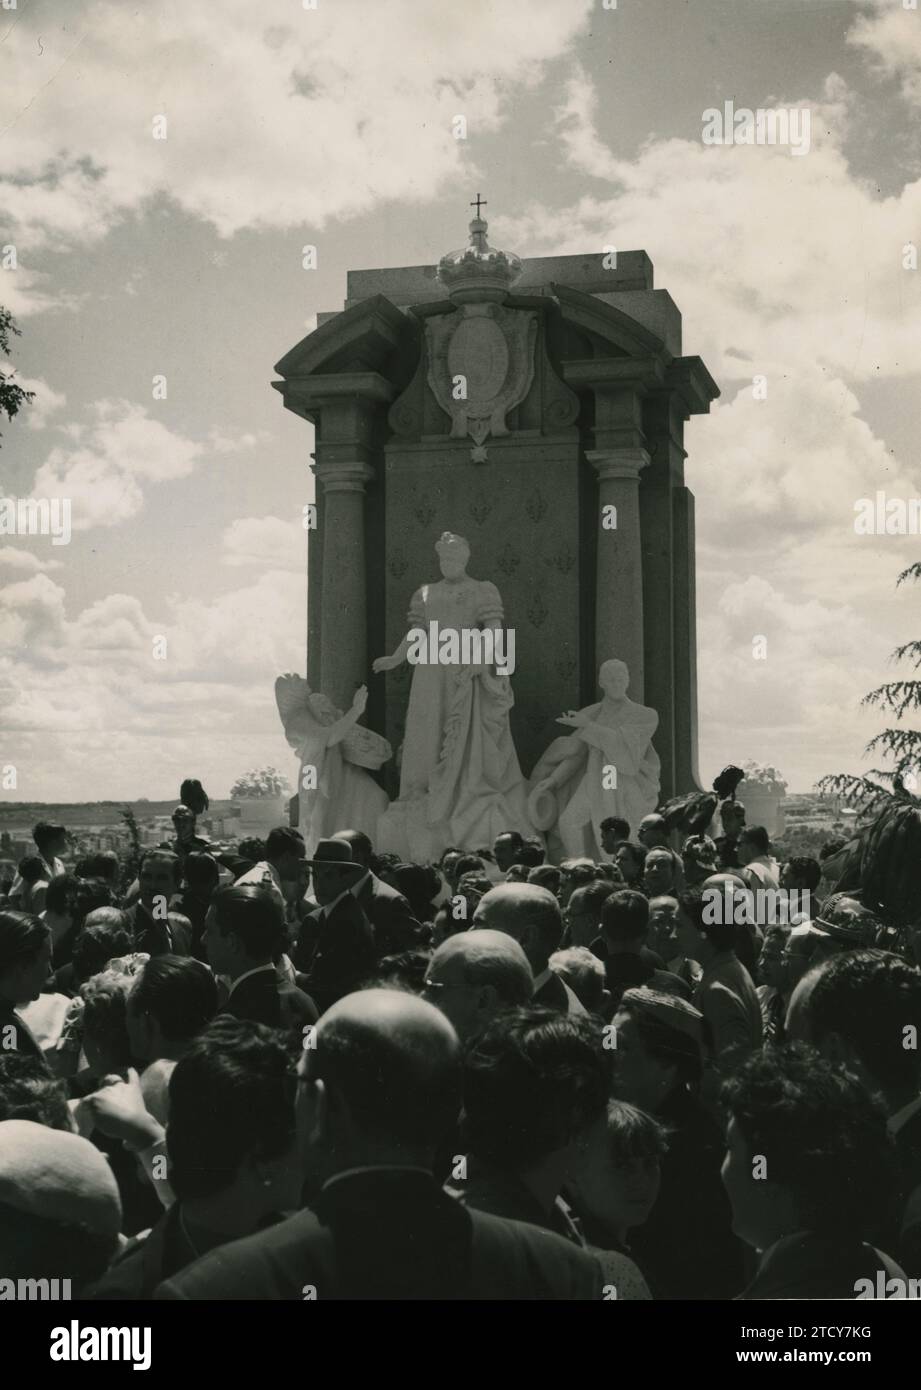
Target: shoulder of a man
column 513, row 1260
column 274, row 1264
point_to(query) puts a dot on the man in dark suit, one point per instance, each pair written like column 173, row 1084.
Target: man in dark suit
column 532, row 916
column 375, row 1096
column 158, row 931
column 335, row 948
column 244, row 933
column 392, row 922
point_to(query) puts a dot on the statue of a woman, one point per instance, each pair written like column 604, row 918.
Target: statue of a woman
column 333, row 790
column 607, row 767
column 460, row 782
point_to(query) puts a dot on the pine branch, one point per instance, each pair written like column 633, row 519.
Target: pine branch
column 913, row 572
column 860, row 791
column 903, row 744
column 896, row 696
column 912, row 649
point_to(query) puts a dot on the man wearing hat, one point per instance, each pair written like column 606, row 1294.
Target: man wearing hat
column 343, row 956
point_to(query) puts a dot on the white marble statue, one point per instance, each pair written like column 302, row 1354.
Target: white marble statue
column 460, row 782
column 608, row 767
column 335, row 793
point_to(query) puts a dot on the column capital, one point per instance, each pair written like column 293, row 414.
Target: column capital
column 343, row 477
column 617, row 463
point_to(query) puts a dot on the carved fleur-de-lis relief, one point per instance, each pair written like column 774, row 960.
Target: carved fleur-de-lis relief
column 424, row 512
column 398, row 564
column 508, row 559
column 562, row 560
column 565, row 667
column 480, row 507
column 537, row 611
column 536, row 505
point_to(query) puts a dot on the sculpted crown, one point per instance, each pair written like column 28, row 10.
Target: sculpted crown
column 478, row 272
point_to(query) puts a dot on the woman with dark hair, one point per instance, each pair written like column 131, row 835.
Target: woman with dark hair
column 686, row 1248
column 25, row 961
column 631, row 860
column 823, row 1189
column 613, row 1188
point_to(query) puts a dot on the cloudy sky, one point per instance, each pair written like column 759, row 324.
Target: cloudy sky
column 181, row 258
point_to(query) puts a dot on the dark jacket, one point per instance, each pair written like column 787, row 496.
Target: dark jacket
column 157, row 936
column 811, row 1266
column 146, row 1261
column 686, row 1248
column 504, row 1194
column 263, row 999
column 391, row 1234
column 344, row 956
column 392, row 922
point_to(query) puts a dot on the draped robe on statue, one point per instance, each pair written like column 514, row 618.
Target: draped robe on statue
column 614, row 737
column 460, row 781
column 345, row 797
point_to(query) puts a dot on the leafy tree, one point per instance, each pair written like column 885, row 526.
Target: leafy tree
column 900, row 698
column 12, row 396
column 261, row 782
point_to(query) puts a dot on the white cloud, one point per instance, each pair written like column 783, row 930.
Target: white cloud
column 775, row 261
column 140, row 723
column 800, row 694
column 104, row 468
column 47, row 402
column 15, row 562
column 277, row 116
column 269, row 541
column 892, row 36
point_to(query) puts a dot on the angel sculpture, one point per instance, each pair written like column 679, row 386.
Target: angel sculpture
column 334, row 791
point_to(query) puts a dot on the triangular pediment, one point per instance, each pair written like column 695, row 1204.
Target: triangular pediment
column 369, row 333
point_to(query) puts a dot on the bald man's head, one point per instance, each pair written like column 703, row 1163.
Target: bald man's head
column 389, row 1064
column 526, row 912
column 475, row 975
column 653, row 832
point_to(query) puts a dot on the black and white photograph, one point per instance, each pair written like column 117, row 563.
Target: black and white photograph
column 460, row 669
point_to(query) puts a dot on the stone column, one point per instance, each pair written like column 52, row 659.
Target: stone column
column 619, row 569
column 344, row 630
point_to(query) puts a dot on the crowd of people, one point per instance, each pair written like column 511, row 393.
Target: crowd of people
column 687, row 1071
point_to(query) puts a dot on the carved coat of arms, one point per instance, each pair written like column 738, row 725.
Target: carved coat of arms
column 480, row 366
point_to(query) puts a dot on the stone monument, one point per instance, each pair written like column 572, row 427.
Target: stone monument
column 537, row 407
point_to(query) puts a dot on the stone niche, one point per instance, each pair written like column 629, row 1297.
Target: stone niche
column 517, row 403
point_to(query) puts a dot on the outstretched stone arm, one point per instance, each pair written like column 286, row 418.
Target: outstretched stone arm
column 390, row 663
column 338, row 731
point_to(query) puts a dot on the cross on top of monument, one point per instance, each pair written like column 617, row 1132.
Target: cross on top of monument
column 479, row 201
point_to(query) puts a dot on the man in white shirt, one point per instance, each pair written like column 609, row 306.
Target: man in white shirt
column 280, row 869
